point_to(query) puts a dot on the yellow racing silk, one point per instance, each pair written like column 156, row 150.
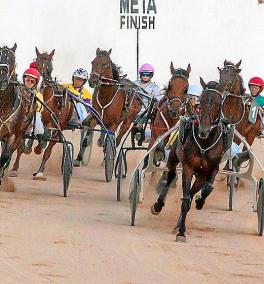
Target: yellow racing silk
column 84, row 94
column 40, row 97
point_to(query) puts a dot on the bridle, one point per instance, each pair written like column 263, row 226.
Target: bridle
column 4, row 56
column 229, row 93
column 179, row 73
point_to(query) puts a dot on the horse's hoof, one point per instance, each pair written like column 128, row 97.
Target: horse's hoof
column 39, row 176
column 76, row 163
column 37, row 150
column 199, row 202
column 13, row 173
column 27, row 150
column 180, row 239
column 153, row 211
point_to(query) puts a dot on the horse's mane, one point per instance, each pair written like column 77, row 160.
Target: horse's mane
column 212, row 85
column 117, row 72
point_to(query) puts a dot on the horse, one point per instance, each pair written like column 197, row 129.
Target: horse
column 200, row 154
column 113, row 97
column 236, row 107
column 43, row 64
column 171, row 106
column 17, row 107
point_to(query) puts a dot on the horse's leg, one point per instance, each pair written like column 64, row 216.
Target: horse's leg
column 187, row 175
column 8, row 147
column 164, row 185
column 123, row 129
column 196, row 187
column 77, row 161
column 206, row 189
column 39, row 174
column 20, row 151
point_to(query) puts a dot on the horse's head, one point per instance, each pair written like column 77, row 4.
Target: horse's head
column 177, row 89
column 101, row 67
column 229, row 75
column 44, row 63
column 7, row 65
column 210, row 108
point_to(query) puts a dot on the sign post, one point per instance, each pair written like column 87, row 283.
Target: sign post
column 138, row 14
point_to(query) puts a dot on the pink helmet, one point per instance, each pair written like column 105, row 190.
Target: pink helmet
column 146, row 68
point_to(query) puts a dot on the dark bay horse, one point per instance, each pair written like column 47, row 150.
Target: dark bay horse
column 112, row 97
column 57, row 100
column 171, row 106
column 17, row 107
column 200, row 156
column 236, row 107
column 43, row 64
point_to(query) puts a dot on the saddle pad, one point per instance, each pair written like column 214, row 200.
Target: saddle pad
column 253, row 112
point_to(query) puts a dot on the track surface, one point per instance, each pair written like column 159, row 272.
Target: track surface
column 87, row 238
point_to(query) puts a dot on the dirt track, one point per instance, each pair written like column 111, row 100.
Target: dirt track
column 87, row 238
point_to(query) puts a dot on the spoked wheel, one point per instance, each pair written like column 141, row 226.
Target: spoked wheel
column 66, row 166
column 87, row 145
column 231, row 184
column 134, row 196
column 120, row 174
column 109, row 153
column 260, row 207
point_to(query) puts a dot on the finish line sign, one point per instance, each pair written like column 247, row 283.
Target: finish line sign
column 137, row 14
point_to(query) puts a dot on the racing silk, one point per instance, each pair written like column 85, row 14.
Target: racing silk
column 40, row 97
column 83, row 93
column 259, row 100
column 151, row 88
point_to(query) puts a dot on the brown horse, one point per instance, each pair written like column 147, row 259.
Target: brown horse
column 171, row 106
column 17, row 107
column 200, row 154
column 112, row 97
column 236, row 107
column 43, row 64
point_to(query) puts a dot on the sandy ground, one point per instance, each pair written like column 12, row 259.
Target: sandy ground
column 87, row 237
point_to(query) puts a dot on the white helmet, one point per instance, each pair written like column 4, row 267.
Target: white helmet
column 194, row 90
column 80, row 73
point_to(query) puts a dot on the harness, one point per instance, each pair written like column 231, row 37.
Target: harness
column 169, row 101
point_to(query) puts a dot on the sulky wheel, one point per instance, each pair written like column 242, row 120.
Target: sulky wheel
column 66, row 166
column 134, row 196
column 87, row 145
column 109, row 152
column 260, row 207
column 120, row 174
column 231, row 185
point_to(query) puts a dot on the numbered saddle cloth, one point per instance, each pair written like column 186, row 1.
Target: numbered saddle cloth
column 253, row 112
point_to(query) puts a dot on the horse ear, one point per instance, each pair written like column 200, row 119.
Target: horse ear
column 203, row 84
column 189, row 68
column 109, row 51
column 238, row 70
column 238, row 63
column 51, row 54
column 14, row 47
column 172, row 69
column 225, row 62
column 37, row 52
column 97, row 50
column 219, row 69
